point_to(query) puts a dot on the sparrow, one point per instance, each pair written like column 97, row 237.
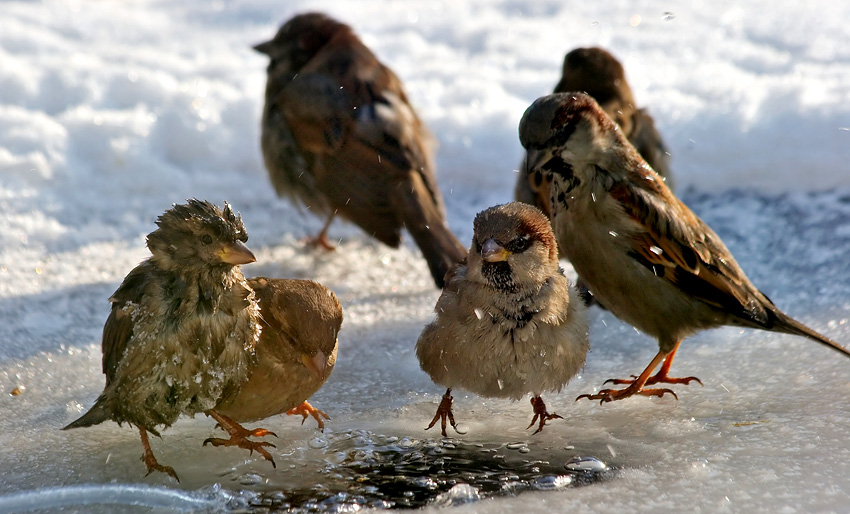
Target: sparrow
column 642, row 252
column 599, row 74
column 507, row 323
column 182, row 333
column 340, row 137
column 296, row 353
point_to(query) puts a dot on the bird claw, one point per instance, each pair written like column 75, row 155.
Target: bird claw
column 239, row 437
column 245, row 444
column 610, row 395
column 655, row 379
column 620, row 381
column 152, row 465
column 444, row 410
column 305, row 409
column 540, row 413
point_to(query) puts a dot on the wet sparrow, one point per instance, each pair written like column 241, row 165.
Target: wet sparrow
column 183, row 328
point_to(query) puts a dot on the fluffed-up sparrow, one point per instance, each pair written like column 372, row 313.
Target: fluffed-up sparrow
column 184, row 325
column 507, row 323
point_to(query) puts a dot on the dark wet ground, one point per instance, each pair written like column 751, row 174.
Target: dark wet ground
column 368, row 470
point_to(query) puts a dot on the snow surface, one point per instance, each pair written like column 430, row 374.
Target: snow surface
column 111, row 111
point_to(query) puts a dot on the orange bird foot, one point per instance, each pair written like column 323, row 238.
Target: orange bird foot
column 610, row 395
column 239, row 437
column 541, row 413
column 150, row 460
column 152, row 465
column 321, row 238
column 305, row 409
column 655, row 379
column 444, row 410
column 320, row 241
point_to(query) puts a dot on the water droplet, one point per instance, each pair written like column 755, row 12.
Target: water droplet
column 500, row 384
column 457, row 495
column 461, row 428
column 585, row 464
column 407, row 443
column 514, row 446
column 550, row 483
column 478, row 313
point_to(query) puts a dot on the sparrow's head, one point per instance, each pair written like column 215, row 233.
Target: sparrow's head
column 599, row 74
column 199, row 235
column 513, row 247
column 567, row 130
column 596, row 72
column 299, row 39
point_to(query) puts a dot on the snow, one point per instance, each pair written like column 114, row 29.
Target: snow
column 112, row 111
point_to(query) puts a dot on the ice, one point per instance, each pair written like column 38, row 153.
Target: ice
column 112, row 111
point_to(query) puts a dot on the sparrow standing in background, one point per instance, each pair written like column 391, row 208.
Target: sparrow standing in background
column 296, row 354
column 642, row 252
column 507, row 321
column 184, row 324
column 340, row 136
column 599, row 74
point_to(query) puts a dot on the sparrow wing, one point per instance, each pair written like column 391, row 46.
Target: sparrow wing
column 350, row 113
column 681, row 249
column 118, row 328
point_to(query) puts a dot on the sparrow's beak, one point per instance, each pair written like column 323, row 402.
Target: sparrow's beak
column 536, row 158
column 237, row 253
column 264, row 48
column 492, row 251
column 316, row 363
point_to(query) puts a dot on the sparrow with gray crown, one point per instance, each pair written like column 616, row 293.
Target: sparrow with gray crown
column 599, row 74
column 507, row 323
column 641, row 251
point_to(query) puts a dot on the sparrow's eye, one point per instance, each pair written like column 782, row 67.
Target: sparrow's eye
column 206, row 239
column 518, row 245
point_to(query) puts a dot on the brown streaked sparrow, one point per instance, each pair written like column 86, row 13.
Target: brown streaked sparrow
column 642, row 252
column 599, row 74
column 183, row 328
column 507, row 322
column 340, row 137
column 296, row 352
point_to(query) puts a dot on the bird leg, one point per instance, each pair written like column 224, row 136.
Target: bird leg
column 662, row 376
column 305, row 409
column 635, row 386
column 444, row 411
column 321, row 238
column 540, row 412
column 149, row 459
column 239, row 436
